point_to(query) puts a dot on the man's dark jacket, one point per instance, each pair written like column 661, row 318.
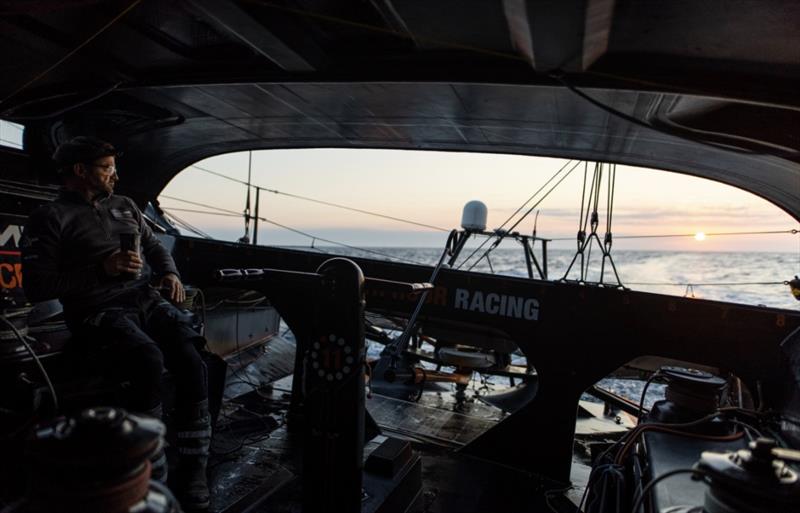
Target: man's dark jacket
column 65, row 243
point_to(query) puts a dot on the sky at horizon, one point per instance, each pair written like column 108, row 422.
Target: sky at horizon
column 432, row 187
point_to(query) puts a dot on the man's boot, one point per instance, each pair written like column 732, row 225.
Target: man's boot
column 158, row 461
column 193, row 440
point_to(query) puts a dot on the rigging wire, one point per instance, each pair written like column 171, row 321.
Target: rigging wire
column 187, row 226
column 196, row 211
column 515, row 213
column 231, row 213
column 356, row 248
column 531, row 209
column 204, row 205
column 559, row 77
column 245, row 239
column 711, row 284
column 322, row 202
column 610, row 193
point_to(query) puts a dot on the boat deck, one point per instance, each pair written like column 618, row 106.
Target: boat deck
column 256, row 460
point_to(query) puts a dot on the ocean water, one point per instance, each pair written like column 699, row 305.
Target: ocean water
column 745, row 277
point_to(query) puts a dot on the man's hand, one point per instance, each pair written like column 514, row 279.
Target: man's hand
column 173, row 287
column 122, row 262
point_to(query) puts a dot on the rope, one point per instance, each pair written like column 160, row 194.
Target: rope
column 72, row 52
column 322, row 202
column 585, row 243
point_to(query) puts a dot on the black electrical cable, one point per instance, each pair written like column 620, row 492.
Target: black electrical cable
column 638, row 503
column 36, row 359
column 644, row 394
column 555, row 491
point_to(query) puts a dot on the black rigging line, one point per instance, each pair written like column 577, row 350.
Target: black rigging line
column 499, row 237
column 322, row 202
column 515, row 212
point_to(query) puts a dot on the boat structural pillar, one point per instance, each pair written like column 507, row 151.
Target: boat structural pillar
column 333, row 441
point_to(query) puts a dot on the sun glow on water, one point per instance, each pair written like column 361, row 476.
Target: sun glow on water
column 699, row 236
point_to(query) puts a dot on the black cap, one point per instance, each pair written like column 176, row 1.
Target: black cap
column 82, row 149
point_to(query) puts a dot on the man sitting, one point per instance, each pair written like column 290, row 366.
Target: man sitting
column 71, row 251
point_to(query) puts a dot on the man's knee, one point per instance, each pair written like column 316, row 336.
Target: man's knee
column 146, row 360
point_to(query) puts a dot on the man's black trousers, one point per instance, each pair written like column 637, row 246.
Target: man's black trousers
column 134, row 339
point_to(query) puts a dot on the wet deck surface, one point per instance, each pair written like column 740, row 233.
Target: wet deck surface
column 255, row 461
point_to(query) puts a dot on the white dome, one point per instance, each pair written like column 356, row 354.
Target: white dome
column 473, row 218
